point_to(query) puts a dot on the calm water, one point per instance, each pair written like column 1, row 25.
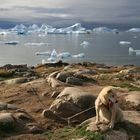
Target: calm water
column 103, row 48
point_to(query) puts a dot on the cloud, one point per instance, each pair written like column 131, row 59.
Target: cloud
column 66, row 12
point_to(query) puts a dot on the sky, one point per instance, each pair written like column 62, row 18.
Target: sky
column 59, row 13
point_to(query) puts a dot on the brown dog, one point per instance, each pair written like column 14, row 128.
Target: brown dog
column 107, row 109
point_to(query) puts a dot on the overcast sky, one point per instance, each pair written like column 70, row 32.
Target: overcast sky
column 66, row 12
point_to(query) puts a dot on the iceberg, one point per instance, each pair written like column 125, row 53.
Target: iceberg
column 36, row 44
column 43, row 61
column 76, row 28
column 20, row 29
column 125, row 43
column 102, row 30
column 85, row 44
column 12, row 43
column 33, row 27
column 133, row 52
column 80, row 55
column 54, row 54
column 134, row 30
column 46, row 29
column 64, row 55
column 4, row 33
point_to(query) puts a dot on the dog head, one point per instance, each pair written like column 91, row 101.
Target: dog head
column 108, row 96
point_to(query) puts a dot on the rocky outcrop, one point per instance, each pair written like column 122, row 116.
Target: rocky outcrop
column 133, row 98
column 74, row 81
column 71, row 101
column 15, row 81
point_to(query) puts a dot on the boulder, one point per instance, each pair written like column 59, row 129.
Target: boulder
column 74, row 81
column 116, row 135
column 6, row 122
column 3, row 105
column 53, row 82
column 133, row 97
column 62, row 76
column 71, row 101
column 15, row 81
column 123, row 131
column 86, row 71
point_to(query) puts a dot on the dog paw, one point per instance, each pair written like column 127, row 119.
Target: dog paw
column 111, row 125
column 97, row 122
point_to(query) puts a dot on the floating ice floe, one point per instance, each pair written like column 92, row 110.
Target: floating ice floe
column 11, row 42
column 133, row 52
column 134, row 30
column 64, row 55
column 36, row 44
column 4, row 33
column 42, row 35
column 125, row 43
column 80, row 55
column 102, row 30
column 43, row 61
column 85, row 44
column 48, row 53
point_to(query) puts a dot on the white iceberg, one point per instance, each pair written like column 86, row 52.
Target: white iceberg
column 54, row 54
column 42, row 35
column 85, row 44
column 33, row 27
column 36, row 44
column 11, row 42
column 20, row 29
column 134, row 30
column 125, row 43
column 4, row 33
column 80, row 55
column 64, row 55
column 102, row 30
column 76, row 28
column 46, row 29
column 133, row 52
column 43, row 61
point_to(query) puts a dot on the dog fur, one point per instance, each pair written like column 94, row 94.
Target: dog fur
column 107, row 109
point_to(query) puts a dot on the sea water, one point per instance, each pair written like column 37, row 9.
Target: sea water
column 102, row 48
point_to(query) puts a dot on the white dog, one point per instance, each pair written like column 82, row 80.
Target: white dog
column 107, row 109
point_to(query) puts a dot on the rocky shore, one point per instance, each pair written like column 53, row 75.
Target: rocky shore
column 45, row 102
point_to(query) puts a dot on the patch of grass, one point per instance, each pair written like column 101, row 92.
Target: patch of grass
column 68, row 133
column 6, row 73
column 127, row 84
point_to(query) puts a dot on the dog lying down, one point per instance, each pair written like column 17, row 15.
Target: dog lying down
column 107, row 109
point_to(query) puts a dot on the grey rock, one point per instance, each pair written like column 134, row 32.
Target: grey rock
column 16, row 81
column 116, row 135
column 7, row 122
column 133, row 97
column 74, row 81
column 62, row 76
column 71, row 101
column 53, row 82
column 3, row 105
column 86, row 71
